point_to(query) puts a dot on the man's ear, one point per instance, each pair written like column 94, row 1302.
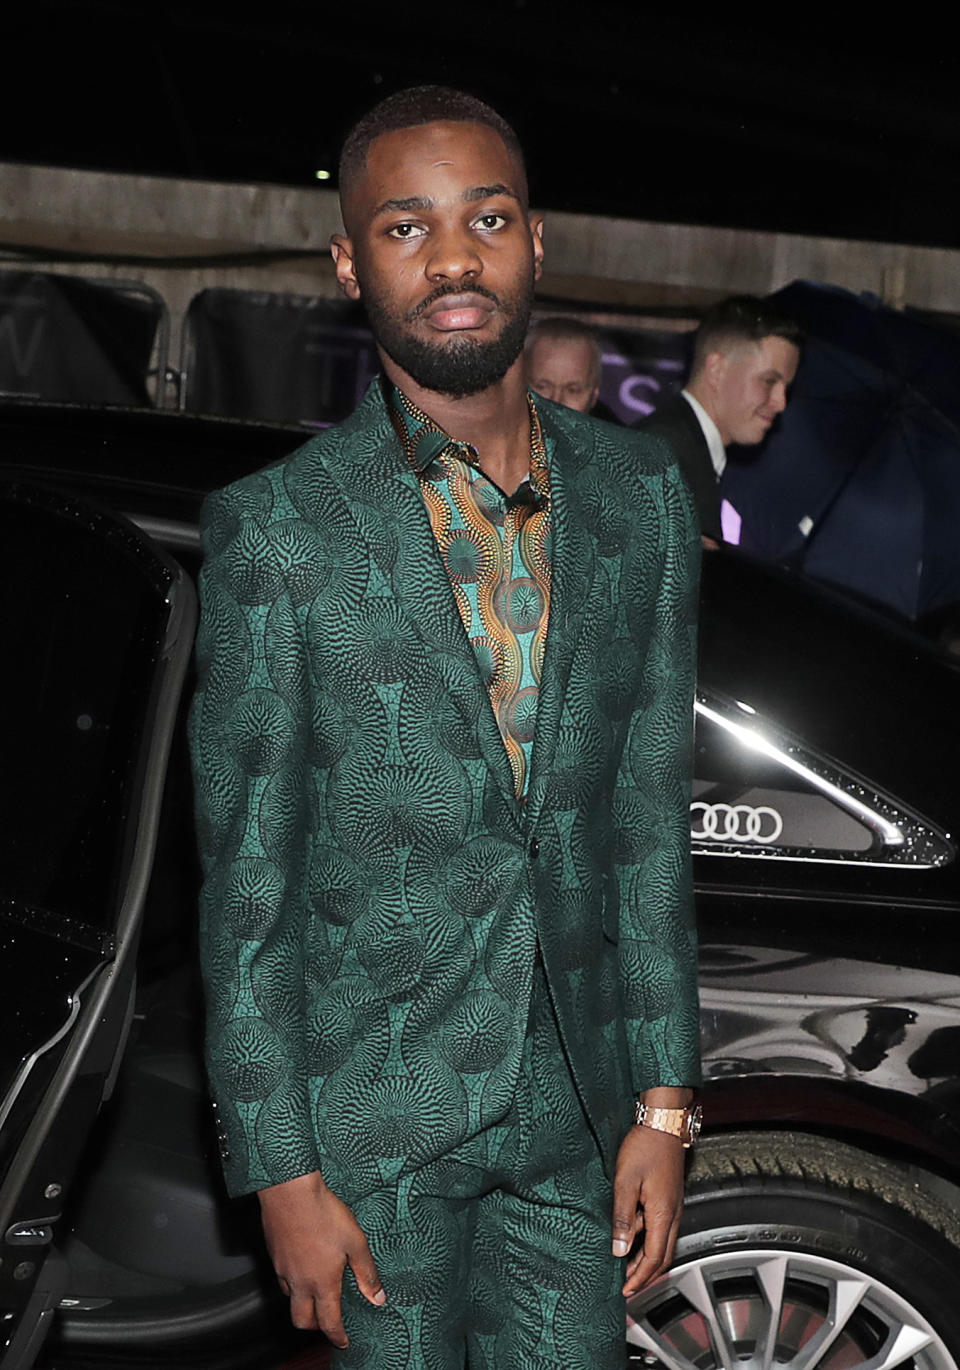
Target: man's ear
column 536, row 233
column 714, row 368
column 341, row 250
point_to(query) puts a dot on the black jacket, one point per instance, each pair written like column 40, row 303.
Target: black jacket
column 676, row 422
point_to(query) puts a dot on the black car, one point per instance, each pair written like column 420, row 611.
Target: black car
column 822, row 1226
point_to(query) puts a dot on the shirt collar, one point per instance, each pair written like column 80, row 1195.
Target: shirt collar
column 423, row 440
column 718, row 453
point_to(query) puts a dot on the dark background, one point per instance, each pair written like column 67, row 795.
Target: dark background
column 799, row 121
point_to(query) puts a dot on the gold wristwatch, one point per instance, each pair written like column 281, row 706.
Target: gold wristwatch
column 683, row 1123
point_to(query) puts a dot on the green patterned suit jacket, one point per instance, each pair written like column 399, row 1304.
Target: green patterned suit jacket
column 373, row 891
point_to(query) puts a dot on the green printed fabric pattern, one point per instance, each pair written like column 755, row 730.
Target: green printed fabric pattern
column 502, row 1249
column 373, row 890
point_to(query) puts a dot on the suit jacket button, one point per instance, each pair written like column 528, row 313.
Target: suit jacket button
column 534, row 848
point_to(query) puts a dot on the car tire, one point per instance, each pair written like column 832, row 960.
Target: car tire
column 804, row 1252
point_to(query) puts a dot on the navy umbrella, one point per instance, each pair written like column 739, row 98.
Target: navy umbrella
column 859, row 483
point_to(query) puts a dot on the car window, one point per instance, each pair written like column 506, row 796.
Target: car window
column 79, row 615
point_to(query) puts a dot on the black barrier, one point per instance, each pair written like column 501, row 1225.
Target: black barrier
column 642, row 368
column 281, row 358
column 66, row 338
column 300, row 359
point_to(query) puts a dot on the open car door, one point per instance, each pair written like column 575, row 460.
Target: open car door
column 97, row 627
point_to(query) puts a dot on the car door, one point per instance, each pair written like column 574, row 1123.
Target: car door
column 97, row 626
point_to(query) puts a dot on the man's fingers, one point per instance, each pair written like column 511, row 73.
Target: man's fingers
column 624, row 1217
column 645, row 1267
column 312, row 1312
column 302, row 1312
column 656, row 1236
column 329, row 1319
column 624, row 1233
column 659, row 1240
column 367, row 1276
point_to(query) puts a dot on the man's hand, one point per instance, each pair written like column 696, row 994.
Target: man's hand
column 648, row 1195
column 312, row 1236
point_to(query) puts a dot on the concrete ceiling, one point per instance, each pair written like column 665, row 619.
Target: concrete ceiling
column 841, row 130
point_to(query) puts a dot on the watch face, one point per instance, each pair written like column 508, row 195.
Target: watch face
column 694, row 1123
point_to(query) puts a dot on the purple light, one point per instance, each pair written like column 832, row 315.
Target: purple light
column 730, row 523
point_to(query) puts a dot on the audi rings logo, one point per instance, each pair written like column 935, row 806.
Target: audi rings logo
column 734, row 823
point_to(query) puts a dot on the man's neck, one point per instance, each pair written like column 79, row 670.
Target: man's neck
column 496, row 421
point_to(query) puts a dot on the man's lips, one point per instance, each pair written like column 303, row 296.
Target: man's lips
column 452, row 312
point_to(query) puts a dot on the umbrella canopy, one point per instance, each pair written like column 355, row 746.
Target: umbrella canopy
column 859, row 483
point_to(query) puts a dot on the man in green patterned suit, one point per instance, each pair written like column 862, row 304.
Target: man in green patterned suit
column 442, row 742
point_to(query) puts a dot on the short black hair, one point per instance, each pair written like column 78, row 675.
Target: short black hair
column 742, row 318
column 563, row 328
column 414, row 106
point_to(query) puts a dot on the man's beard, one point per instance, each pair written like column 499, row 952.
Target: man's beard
column 463, row 365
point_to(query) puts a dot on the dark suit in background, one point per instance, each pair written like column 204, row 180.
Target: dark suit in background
column 677, row 423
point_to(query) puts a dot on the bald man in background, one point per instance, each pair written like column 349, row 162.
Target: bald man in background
column 562, row 362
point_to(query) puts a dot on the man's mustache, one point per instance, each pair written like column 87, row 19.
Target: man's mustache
column 443, row 290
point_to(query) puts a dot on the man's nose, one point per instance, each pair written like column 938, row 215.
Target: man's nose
column 779, row 399
column 453, row 256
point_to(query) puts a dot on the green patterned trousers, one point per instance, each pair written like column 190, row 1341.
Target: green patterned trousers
column 498, row 1257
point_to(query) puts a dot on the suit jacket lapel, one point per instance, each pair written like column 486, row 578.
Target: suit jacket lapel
column 383, row 495
column 573, row 560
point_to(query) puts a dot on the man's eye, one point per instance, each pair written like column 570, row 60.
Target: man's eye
column 405, row 231
column 491, row 221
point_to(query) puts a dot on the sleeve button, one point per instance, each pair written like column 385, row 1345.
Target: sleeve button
column 534, row 848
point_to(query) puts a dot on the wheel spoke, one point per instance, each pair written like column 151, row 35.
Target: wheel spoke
column 692, row 1284
column 845, row 1296
column 642, row 1334
column 777, row 1310
column 772, row 1278
column 904, row 1341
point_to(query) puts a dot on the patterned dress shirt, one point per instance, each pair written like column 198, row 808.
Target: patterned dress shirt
column 496, row 550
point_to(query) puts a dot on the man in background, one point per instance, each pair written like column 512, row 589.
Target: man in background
column 745, row 357
column 562, row 362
